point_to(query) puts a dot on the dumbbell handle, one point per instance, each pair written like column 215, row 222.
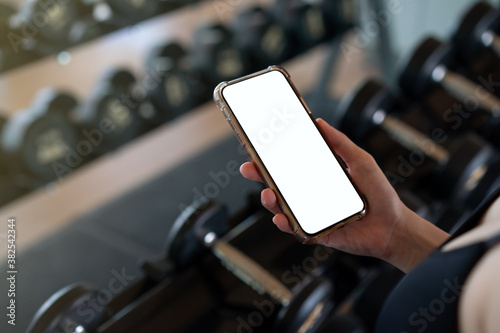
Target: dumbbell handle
column 460, row 88
column 410, row 138
column 491, row 39
column 250, row 272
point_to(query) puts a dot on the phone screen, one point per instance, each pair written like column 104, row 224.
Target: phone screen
column 310, row 179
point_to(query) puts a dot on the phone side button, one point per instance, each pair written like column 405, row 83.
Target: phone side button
column 235, row 130
column 242, row 143
column 224, row 111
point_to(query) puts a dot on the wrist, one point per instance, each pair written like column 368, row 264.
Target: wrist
column 413, row 239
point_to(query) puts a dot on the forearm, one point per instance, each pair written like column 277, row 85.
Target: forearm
column 413, row 239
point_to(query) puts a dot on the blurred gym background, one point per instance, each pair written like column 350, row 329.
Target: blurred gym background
column 108, row 130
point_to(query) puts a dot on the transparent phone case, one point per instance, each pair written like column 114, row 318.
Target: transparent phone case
column 298, row 232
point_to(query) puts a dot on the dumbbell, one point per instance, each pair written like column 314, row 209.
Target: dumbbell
column 198, row 229
column 215, row 55
column 309, row 22
column 110, row 117
column 12, row 43
column 10, row 189
column 261, row 36
column 94, row 20
column 46, row 21
column 477, row 31
column 133, row 10
column 346, row 318
column 466, row 170
column 98, row 17
column 176, row 87
column 6, row 12
column 8, row 56
column 427, row 67
column 67, row 311
column 40, row 141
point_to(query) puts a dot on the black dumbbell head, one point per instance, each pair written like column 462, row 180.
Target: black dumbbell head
column 215, row 54
column 310, row 22
column 469, row 156
column 416, row 77
column 6, row 12
column 38, row 138
column 65, row 308
column 111, row 112
column 480, row 18
column 314, row 25
column 121, row 116
column 115, row 83
column 183, row 244
column 175, row 94
column 165, row 56
column 258, row 33
column 310, row 306
column 354, row 115
column 53, row 19
column 211, row 33
column 54, row 101
column 489, row 183
column 290, row 15
column 175, row 91
column 119, row 78
column 479, row 163
column 132, row 9
column 36, row 142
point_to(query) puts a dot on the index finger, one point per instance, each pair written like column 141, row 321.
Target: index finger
column 249, row 171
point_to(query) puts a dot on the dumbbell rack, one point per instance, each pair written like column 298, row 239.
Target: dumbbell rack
column 79, row 78
column 82, row 201
column 207, row 297
column 139, row 160
column 93, row 19
column 52, row 209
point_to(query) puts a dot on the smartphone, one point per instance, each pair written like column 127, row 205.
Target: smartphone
column 281, row 137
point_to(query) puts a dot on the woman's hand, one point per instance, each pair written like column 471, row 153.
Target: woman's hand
column 389, row 231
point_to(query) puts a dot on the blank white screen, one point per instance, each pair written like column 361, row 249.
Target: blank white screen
column 301, row 164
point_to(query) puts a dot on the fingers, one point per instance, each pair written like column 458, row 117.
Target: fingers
column 268, row 199
column 337, row 141
column 249, row 171
column 281, row 222
column 340, row 143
